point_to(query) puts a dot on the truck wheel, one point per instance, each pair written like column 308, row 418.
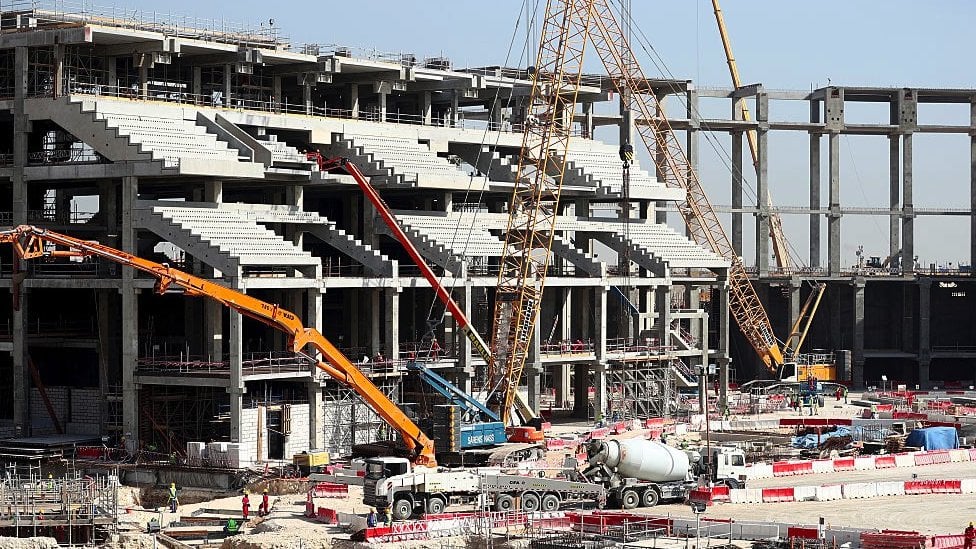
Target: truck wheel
column 550, row 503
column 435, row 505
column 504, row 502
column 530, row 502
column 732, row 483
column 402, row 509
column 629, row 499
column 650, row 497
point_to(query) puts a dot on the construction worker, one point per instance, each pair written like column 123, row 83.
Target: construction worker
column 969, row 535
column 245, row 505
column 435, row 350
column 389, row 517
column 231, row 527
column 371, row 518
column 173, row 500
column 264, row 508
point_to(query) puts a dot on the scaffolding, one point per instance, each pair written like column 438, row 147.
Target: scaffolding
column 641, row 388
column 73, row 509
column 349, row 421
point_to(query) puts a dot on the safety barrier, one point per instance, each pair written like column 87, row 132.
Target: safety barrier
column 790, row 468
column 884, row 462
column 823, row 466
column 913, row 487
column 330, row 490
column 864, row 463
column 328, row 516
column 721, row 493
column 891, row 488
column 860, row 490
column 931, row 458
column 957, row 456
column 829, row 493
column 844, row 464
column 776, row 495
column 968, row 486
column 892, row 539
column 805, row 493
column 759, row 470
column 905, row 460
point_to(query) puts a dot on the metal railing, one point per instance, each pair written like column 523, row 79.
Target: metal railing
column 270, row 362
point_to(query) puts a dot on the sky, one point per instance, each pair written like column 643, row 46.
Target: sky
column 783, row 45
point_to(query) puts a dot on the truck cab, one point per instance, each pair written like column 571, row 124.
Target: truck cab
column 379, row 469
column 728, row 466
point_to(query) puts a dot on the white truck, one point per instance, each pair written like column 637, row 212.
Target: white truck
column 641, row 473
column 391, row 482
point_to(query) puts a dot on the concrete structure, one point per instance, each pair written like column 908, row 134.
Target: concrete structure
column 187, row 145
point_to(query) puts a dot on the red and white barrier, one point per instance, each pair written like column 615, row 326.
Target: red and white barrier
column 863, row 463
column 850, row 490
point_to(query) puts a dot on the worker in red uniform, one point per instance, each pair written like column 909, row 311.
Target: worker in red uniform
column 435, row 349
column 245, row 505
column 969, row 535
column 264, row 508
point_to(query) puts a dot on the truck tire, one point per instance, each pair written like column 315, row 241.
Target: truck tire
column 530, row 502
column 402, row 509
column 732, row 483
column 629, row 499
column 550, row 503
column 504, row 502
column 650, row 497
column 435, row 505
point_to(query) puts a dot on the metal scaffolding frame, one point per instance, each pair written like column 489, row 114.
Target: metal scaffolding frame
column 349, row 421
column 641, row 388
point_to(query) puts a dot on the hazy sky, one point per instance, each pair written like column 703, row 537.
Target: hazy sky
column 784, row 45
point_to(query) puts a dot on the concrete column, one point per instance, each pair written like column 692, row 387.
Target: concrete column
column 455, row 112
column 894, row 198
column 196, row 84
column 58, row 70
column 600, row 350
column 374, row 322
column 908, row 211
column 276, row 99
column 581, row 390
column 21, row 129
column 316, row 412
column 391, row 322
column 737, row 191
column 144, row 78
column 972, row 183
column 425, row 107
column 722, row 350
column 130, row 317
column 660, row 210
column 533, row 367
column 495, row 114
column 694, row 124
column 382, row 96
column 924, row 331
column 106, row 329
column 588, row 119
column 113, row 75
column 663, row 297
column 235, row 385
column 815, row 200
column 560, row 372
column 21, row 374
column 353, row 104
column 307, row 87
column 762, row 185
column 857, row 353
column 228, row 84
column 833, row 218
column 600, row 390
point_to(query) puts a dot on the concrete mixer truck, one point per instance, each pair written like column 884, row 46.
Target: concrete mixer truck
column 641, row 473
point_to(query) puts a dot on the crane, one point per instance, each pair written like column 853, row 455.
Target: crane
column 535, row 198
column 704, row 226
column 776, row 235
column 526, row 414
column 31, row 242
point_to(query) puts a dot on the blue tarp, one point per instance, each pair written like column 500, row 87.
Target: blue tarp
column 813, row 441
column 934, row 438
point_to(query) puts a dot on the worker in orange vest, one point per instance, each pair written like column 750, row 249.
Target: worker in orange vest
column 969, row 535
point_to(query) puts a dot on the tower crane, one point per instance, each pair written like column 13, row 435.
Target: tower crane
column 31, row 242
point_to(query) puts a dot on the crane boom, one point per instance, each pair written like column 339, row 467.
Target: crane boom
column 776, row 234
column 31, row 242
column 703, row 224
column 535, row 198
column 526, row 412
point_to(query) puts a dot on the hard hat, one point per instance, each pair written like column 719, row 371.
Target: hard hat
column 265, row 490
column 970, row 524
column 49, row 475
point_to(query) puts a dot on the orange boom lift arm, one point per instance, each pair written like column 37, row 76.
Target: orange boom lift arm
column 31, row 242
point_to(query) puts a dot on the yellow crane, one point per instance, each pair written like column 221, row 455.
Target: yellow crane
column 776, row 235
column 535, row 199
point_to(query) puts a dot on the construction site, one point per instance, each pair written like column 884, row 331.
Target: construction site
column 256, row 293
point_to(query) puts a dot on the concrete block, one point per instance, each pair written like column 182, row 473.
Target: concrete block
column 860, row 490
column 823, row 466
column 805, row 493
column 891, row 488
column 864, row 463
column 828, row 493
column 905, row 460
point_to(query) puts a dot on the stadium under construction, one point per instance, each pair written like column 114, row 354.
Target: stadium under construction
column 198, row 146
